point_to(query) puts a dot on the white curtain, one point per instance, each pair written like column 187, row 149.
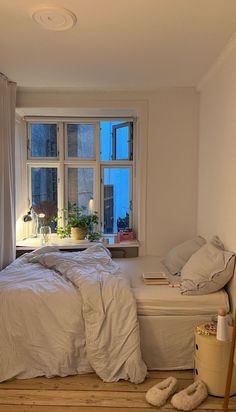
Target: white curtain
column 7, row 171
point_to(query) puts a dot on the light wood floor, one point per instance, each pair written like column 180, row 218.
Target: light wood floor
column 87, row 393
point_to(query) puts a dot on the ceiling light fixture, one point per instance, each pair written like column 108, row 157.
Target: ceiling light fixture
column 54, row 18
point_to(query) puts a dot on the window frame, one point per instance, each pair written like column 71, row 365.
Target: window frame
column 63, row 162
column 130, row 141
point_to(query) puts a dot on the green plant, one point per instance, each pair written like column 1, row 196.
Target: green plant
column 77, row 217
column 123, row 222
column 92, row 237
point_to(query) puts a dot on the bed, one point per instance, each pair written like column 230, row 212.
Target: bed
column 52, row 318
column 167, row 318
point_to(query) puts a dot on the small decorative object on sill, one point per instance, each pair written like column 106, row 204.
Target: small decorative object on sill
column 45, row 234
column 46, row 212
column 125, row 235
column 105, row 241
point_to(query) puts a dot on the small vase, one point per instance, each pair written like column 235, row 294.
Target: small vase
column 45, row 234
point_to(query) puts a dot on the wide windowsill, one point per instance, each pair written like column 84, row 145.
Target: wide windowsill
column 35, row 243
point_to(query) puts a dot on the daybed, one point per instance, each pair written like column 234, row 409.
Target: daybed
column 64, row 314
column 167, row 318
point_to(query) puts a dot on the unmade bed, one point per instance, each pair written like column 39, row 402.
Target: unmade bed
column 52, row 318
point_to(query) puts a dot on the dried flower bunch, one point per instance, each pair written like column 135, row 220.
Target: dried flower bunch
column 47, row 211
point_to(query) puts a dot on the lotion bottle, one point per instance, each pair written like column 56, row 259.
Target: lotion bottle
column 222, row 332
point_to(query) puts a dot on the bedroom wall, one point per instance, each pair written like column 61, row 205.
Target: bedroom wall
column 217, row 160
column 168, row 128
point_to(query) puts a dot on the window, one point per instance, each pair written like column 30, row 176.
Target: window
column 87, row 163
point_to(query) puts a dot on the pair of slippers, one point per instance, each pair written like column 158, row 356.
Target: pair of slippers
column 185, row 400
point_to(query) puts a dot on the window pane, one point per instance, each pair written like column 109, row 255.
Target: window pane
column 106, row 139
column 116, row 198
column 43, row 140
column 80, row 140
column 44, row 193
column 122, row 142
column 80, row 187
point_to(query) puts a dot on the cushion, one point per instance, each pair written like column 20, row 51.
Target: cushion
column 208, row 270
column 180, row 254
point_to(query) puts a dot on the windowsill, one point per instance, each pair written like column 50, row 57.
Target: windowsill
column 35, row 243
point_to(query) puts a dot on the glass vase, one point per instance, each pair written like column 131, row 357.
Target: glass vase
column 45, row 235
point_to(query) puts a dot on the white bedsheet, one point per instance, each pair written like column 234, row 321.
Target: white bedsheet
column 162, row 300
column 41, row 324
column 167, row 318
column 42, row 314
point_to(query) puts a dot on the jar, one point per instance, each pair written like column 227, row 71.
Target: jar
column 45, row 234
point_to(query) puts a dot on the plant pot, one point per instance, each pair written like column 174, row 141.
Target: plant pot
column 78, row 234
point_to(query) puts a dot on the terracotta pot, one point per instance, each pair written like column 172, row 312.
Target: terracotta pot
column 78, row 234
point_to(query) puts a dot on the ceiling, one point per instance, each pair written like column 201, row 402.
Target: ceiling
column 116, row 44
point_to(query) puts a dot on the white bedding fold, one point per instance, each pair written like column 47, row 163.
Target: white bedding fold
column 74, row 314
column 109, row 310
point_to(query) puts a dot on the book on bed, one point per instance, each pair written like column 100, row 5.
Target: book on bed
column 155, row 278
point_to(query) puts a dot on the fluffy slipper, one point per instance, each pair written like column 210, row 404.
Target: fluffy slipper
column 158, row 394
column 191, row 397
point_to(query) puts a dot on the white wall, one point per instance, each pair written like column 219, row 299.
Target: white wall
column 167, row 154
column 217, row 155
column 172, row 169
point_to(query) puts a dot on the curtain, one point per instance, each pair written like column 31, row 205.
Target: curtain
column 7, row 171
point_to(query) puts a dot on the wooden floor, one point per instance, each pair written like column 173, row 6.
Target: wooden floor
column 87, row 393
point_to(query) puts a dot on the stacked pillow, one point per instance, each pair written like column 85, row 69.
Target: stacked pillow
column 207, row 269
column 180, row 254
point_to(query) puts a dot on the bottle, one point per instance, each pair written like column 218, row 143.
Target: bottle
column 222, row 326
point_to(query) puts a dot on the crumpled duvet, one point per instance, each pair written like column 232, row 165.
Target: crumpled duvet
column 98, row 329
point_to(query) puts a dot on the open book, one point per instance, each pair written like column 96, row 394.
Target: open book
column 155, row 278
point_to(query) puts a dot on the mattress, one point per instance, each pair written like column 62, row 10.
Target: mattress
column 162, row 300
column 167, row 318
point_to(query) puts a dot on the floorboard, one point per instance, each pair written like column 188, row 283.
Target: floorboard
column 87, row 393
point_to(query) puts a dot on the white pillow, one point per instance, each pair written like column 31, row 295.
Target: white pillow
column 180, row 254
column 208, row 270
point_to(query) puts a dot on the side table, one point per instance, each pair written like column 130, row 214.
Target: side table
column 211, row 363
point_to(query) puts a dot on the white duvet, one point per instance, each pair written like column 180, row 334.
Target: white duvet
column 68, row 313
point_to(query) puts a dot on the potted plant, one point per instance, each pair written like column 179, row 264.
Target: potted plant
column 79, row 222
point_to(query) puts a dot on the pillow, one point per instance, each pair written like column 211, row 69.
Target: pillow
column 179, row 255
column 208, row 270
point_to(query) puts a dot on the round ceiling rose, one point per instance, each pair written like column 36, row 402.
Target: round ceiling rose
column 54, row 18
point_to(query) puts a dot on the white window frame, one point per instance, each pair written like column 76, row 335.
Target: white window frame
column 63, row 162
